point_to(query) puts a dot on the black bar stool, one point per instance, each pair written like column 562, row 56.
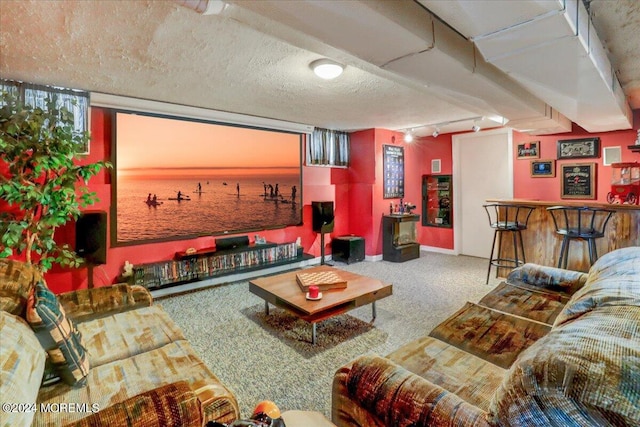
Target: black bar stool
column 511, row 219
column 579, row 222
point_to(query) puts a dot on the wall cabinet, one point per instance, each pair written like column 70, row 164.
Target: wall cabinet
column 437, row 199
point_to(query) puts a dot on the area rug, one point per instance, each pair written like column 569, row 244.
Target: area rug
column 493, row 336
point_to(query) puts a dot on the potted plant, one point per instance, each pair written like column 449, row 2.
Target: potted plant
column 41, row 182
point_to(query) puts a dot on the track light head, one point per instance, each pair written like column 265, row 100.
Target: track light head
column 408, row 137
column 475, row 128
column 436, row 133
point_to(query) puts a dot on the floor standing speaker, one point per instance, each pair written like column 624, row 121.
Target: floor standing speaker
column 91, row 237
column 322, row 217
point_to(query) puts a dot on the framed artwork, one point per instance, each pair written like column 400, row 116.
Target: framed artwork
column 578, row 148
column 529, row 150
column 393, row 169
column 543, row 168
column 578, row 181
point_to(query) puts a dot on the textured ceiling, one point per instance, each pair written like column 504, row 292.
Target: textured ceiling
column 238, row 62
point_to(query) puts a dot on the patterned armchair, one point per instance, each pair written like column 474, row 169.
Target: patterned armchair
column 112, row 354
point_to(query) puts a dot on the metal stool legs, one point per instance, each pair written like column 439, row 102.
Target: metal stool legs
column 500, row 262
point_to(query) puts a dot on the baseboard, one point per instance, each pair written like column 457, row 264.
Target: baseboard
column 438, row 250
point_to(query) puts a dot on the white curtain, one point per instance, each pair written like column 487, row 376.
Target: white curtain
column 328, row 147
column 76, row 101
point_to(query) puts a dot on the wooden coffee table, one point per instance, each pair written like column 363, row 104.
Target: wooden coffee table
column 283, row 291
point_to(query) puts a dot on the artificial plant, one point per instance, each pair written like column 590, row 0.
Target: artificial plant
column 41, row 181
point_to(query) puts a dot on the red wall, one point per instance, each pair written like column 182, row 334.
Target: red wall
column 526, row 187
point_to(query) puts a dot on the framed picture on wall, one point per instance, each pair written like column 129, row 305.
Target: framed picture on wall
column 579, row 148
column 578, row 181
column 543, row 168
column 529, row 150
column 393, row 169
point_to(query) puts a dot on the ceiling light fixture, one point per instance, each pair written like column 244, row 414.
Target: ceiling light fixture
column 326, row 68
column 436, row 133
column 475, row 128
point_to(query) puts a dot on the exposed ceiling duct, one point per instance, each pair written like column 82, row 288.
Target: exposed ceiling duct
column 552, row 49
column 204, row 7
column 404, row 39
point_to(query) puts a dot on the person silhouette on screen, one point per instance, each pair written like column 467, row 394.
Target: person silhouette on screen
column 277, row 191
column 294, row 190
column 238, row 188
column 179, row 195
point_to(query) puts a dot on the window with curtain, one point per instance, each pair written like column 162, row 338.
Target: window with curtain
column 76, row 101
column 328, row 148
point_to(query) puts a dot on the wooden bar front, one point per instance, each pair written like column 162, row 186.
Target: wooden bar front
column 542, row 244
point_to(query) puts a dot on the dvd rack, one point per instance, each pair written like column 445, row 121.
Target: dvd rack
column 207, row 264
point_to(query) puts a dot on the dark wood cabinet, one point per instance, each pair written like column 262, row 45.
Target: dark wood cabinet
column 400, row 237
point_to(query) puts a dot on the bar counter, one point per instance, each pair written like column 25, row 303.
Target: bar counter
column 542, row 244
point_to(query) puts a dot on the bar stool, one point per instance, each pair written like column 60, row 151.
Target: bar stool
column 579, row 222
column 510, row 219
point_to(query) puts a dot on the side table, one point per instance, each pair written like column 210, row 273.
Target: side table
column 348, row 248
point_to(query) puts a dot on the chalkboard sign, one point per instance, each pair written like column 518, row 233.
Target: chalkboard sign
column 578, row 181
column 393, row 169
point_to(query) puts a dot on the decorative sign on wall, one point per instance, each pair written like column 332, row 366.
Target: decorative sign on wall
column 393, row 169
column 578, row 181
column 543, row 168
column 529, row 150
column 578, row 148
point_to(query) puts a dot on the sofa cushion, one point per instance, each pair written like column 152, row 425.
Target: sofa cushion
column 541, row 306
column 87, row 304
column 170, row 405
column 471, row 378
column 583, row 373
column 57, row 335
column 16, row 282
column 613, row 280
column 537, row 277
column 21, row 366
column 119, row 380
column 127, row 334
column 491, row 335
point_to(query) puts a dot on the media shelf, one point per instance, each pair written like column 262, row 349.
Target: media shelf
column 209, row 263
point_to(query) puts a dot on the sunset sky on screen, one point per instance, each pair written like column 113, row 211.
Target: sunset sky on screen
column 145, row 142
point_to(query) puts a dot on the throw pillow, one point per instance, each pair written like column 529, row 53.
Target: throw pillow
column 57, row 335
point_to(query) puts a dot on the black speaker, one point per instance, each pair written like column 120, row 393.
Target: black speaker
column 91, row 237
column 322, row 217
column 226, row 243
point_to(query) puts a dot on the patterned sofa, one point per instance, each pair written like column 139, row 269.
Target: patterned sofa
column 548, row 347
column 122, row 360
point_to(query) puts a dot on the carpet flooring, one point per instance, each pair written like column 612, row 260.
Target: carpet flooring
column 271, row 357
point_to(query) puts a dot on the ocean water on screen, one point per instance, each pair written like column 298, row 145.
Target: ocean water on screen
column 216, row 209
